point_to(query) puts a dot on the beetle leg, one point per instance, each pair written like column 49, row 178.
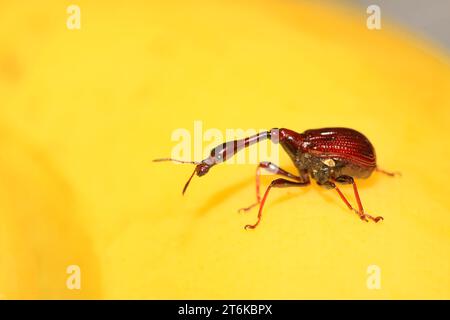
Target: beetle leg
column 277, row 183
column 391, row 174
column 360, row 211
column 272, row 168
column 331, row 185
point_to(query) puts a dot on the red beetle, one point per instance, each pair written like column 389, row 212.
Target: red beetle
column 327, row 155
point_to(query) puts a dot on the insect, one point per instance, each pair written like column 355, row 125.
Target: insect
column 326, row 155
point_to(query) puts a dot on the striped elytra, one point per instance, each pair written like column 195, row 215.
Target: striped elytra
column 340, row 143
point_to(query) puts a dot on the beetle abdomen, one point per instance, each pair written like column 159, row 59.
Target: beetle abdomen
column 340, row 143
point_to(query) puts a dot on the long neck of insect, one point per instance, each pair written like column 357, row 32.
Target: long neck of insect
column 228, row 149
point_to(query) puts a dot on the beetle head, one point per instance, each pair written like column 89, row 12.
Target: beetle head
column 201, row 168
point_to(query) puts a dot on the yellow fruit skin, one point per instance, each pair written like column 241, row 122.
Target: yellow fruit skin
column 83, row 112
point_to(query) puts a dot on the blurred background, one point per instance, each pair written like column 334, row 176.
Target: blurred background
column 84, row 213
column 427, row 19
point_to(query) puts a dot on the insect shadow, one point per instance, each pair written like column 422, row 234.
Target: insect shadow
column 218, row 197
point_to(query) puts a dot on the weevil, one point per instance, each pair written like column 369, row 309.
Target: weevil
column 326, row 155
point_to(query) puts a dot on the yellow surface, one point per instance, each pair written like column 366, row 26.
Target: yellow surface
column 82, row 113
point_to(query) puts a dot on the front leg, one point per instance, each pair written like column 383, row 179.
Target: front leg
column 278, row 183
column 274, row 169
